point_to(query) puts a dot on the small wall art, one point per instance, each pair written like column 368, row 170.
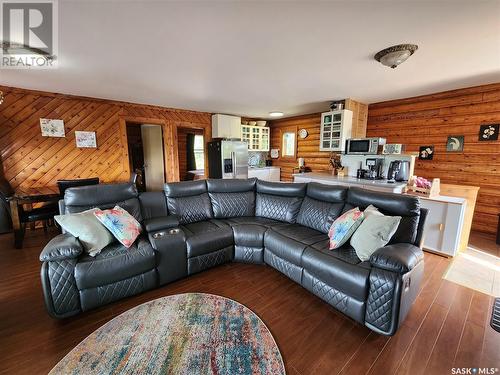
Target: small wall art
column 489, row 132
column 52, row 128
column 455, row 143
column 426, row 152
column 275, row 153
column 85, row 139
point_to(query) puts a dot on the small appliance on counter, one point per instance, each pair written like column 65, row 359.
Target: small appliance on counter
column 393, row 149
column 374, row 169
column 228, row 159
column 364, row 146
column 399, row 171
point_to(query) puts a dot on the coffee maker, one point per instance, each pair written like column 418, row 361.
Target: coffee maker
column 374, row 171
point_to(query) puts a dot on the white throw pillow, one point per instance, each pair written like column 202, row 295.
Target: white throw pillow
column 84, row 225
column 375, row 231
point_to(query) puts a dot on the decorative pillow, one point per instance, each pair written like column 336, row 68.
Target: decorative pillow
column 372, row 210
column 374, row 232
column 84, row 225
column 344, row 226
column 120, row 223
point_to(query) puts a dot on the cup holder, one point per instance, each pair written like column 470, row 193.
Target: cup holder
column 172, row 231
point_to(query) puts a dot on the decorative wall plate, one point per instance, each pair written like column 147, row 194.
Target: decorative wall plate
column 303, row 133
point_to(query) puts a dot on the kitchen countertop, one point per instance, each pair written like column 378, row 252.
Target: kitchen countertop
column 348, row 179
column 382, row 183
column 271, row 167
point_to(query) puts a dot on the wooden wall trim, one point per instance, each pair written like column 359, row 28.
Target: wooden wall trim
column 30, row 160
column 429, row 120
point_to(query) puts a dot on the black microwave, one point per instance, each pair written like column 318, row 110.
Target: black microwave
column 364, row 146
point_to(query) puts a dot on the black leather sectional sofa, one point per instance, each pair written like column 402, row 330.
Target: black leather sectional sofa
column 197, row 225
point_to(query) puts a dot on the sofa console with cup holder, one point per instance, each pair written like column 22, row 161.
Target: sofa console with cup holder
column 196, row 225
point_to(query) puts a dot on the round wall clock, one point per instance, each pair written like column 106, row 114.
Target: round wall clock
column 303, row 133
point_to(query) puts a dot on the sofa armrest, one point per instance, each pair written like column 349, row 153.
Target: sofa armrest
column 159, row 223
column 63, row 246
column 399, row 257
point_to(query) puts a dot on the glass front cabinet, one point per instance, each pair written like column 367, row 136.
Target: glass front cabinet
column 336, row 128
column 257, row 137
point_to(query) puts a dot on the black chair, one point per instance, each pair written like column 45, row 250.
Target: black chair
column 6, row 192
column 66, row 184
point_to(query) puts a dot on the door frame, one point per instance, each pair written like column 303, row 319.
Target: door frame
column 170, row 142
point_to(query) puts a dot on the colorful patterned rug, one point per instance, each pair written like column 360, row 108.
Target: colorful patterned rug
column 191, row 333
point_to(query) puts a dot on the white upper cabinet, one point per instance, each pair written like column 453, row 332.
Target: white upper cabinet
column 336, row 128
column 225, row 126
column 257, row 137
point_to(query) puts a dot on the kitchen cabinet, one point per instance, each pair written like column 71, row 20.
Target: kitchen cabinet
column 265, row 174
column 225, row 126
column 336, row 128
column 257, row 137
column 444, row 224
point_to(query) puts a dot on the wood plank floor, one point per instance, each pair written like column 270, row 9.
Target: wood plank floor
column 447, row 327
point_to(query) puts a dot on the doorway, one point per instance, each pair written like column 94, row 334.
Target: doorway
column 145, row 149
column 191, row 151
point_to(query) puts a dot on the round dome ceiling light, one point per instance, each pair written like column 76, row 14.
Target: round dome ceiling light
column 275, row 114
column 395, row 55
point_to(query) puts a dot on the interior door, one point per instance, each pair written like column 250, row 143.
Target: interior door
column 154, row 165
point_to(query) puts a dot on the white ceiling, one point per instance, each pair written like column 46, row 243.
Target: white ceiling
column 252, row 57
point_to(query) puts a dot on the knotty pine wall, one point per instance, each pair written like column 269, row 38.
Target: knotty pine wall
column 30, row 160
column 308, row 148
column 428, row 120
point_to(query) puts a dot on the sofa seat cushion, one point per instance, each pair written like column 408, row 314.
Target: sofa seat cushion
column 204, row 237
column 289, row 241
column 114, row 263
column 254, row 220
column 339, row 268
column 251, row 235
column 300, row 233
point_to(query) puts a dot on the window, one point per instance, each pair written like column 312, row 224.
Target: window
column 199, row 155
column 288, row 143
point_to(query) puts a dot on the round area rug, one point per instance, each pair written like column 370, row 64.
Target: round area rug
column 193, row 333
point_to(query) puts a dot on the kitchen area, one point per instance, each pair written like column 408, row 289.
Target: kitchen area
column 240, row 149
column 246, row 148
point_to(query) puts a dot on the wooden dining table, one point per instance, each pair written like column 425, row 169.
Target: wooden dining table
column 28, row 197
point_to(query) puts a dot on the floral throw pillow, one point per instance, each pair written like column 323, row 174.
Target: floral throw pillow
column 120, row 223
column 344, row 226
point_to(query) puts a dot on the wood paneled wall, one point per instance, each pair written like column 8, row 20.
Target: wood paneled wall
column 308, row 148
column 30, row 160
column 428, row 120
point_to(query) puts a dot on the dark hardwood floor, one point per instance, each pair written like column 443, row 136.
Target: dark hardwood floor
column 447, row 327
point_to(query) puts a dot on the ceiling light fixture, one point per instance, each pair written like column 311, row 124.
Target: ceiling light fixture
column 275, row 114
column 395, row 55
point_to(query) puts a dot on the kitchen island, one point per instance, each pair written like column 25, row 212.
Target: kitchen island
column 327, row 178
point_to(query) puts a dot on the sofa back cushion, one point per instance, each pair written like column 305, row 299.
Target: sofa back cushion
column 103, row 196
column 189, row 201
column 321, row 206
column 232, row 198
column 406, row 206
column 279, row 201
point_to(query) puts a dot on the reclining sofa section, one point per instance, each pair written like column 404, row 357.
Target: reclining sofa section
column 197, row 225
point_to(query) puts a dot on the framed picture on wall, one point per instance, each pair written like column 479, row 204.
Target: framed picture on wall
column 488, row 132
column 426, row 152
column 85, row 139
column 455, row 143
column 52, row 128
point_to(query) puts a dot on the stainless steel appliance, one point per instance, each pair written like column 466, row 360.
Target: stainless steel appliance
column 399, row 170
column 228, row 159
column 364, row 146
